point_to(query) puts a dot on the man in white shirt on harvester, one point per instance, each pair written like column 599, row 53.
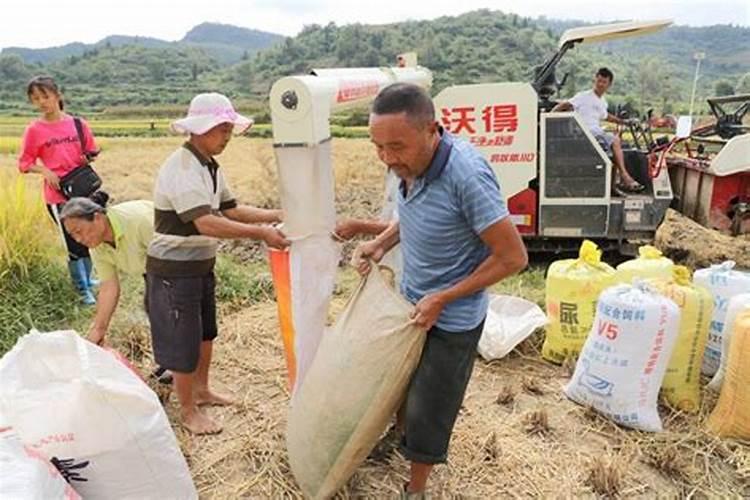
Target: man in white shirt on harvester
column 592, row 107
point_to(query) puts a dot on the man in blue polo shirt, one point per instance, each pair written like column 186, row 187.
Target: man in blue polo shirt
column 457, row 240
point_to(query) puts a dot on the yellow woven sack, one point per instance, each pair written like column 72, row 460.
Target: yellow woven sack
column 681, row 385
column 650, row 264
column 731, row 417
column 572, row 289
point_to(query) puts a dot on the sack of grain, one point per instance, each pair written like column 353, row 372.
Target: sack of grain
column 572, row 289
column 354, row 386
column 681, row 387
column 738, row 304
column 724, row 282
column 650, row 263
column 625, row 356
column 75, row 402
column 731, row 417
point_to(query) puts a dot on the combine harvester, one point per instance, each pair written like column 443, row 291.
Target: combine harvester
column 556, row 177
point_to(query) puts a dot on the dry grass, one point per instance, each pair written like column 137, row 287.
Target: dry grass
column 492, row 454
column 605, row 475
column 540, row 445
column 537, row 422
column 506, row 396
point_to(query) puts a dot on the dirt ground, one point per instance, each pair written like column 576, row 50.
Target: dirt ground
column 517, row 435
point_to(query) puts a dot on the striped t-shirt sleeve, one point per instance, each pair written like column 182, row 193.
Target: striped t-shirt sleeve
column 480, row 199
column 189, row 197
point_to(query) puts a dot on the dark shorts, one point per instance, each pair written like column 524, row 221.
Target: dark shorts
column 436, row 393
column 182, row 313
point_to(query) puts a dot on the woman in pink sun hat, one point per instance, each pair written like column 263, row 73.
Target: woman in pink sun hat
column 193, row 208
column 209, row 110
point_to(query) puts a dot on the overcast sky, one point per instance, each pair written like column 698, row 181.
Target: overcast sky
column 44, row 23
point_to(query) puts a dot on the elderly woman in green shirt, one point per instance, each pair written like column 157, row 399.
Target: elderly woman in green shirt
column 117, row 237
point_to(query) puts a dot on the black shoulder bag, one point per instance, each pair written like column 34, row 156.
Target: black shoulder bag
column 82, row 181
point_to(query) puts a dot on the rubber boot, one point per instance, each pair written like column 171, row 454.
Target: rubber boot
column 78, row 275
column 93, row 283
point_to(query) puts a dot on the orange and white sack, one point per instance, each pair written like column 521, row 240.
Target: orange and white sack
column 681, row 386
column 303, row 276
column 623, row 362
column 650, row 264
column 355, row 385
column 73, row 401
column 738, row 304
column 724, row 282
column 27, row 474
column 731, row 416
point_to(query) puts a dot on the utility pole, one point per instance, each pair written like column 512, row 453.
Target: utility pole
column 698, row 56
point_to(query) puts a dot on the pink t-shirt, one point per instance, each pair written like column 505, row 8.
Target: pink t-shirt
column 57, row 146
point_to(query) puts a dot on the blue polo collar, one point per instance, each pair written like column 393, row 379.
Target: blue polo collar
column 440, row 158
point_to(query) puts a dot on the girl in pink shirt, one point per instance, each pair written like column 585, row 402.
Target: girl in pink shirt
column 52, row 149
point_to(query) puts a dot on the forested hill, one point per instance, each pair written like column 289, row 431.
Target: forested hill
column 229, row 44
column 480, row 46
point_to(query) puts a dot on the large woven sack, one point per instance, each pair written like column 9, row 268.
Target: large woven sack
column 26, row 474
column 622, row 364
column 572, row 288
column 681, row 386
column 737, row 304
column 355, row 384
column 75, row 402
column 724, row 282
column 650, row 264
column 731, row 416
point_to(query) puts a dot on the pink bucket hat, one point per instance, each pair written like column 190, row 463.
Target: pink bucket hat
column 207, row 111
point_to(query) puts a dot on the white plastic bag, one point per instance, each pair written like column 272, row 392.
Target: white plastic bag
column 623, row 362
column 509, row 321
column 724, row 282
column 737, row 304
column 27, row 474
column 73, row 401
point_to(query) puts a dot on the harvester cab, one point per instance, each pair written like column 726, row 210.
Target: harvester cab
column 555, row 176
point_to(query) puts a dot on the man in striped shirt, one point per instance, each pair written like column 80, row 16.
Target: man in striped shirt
column 193, row 207
column 456, row 241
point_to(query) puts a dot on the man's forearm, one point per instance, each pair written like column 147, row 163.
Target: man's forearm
column 220, row 227
column 562, row 106
column 253, row 215
column 372, row 226
column 489, row 272
column 390, row 237
column 106, row 303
